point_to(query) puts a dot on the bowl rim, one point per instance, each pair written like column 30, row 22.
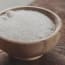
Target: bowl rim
column 59, row 25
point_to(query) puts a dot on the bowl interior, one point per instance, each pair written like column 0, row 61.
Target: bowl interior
column 55, row 19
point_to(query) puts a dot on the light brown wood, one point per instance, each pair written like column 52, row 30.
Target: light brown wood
column 35, row 49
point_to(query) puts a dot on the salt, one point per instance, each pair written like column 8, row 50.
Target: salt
column 26, row 25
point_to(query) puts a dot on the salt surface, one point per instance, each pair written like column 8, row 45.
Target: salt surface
column 25, row 25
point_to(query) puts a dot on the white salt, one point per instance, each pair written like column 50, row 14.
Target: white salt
column 25, row 25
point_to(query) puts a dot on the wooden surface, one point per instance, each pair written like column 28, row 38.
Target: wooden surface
column 57, row 55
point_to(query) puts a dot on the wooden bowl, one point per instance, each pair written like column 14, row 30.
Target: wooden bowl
column 32, row 50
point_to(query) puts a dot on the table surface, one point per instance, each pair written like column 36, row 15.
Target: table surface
column 57, row 55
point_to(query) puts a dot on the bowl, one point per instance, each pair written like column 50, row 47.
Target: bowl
column 24, row 50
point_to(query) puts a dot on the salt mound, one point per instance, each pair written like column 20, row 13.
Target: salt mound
column 25, row 25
